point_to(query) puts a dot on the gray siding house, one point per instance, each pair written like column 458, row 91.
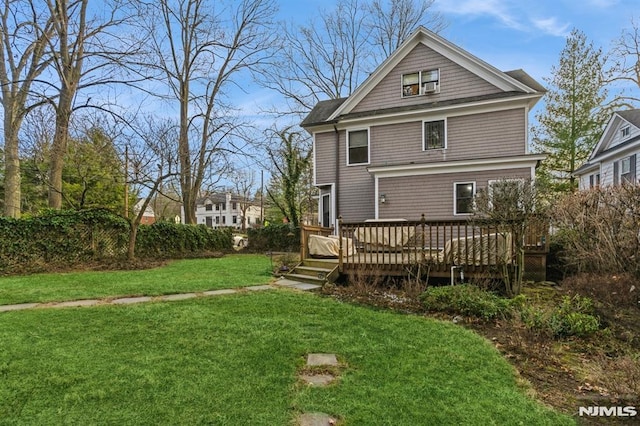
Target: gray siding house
column 613, row 160
column 429, row 128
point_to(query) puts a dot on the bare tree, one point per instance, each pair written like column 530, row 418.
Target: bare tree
column 88, row 53
column 625, row 61
column 290, row 156
column 23, row 39
column 201, row 51
column 510, row 207
column 244, row 185
column 320, row 60
column 331, row 55
column 153, row 161
column 392, row 21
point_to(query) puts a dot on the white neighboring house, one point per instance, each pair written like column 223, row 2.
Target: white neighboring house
column 221, row 210
column 614, row 158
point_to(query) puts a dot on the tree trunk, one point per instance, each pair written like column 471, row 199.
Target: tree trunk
column 58, row 150
column 133, row 234
column 12, row 194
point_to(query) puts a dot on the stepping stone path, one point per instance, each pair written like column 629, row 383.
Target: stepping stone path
column 316, row 419
column 320, row 379
column 166, row 298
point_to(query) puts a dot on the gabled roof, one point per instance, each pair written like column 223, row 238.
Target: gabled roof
column 603, row 148
column 516, row 82
column 631, row 116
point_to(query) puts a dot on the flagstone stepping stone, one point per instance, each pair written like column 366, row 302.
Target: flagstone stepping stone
column 322, row 359
column 182, row 296
column 18, row 307
column 76, row 303
column 318, row 379
column 131, row 300
column 259, row 287
column 316, row 419
column 219, row 292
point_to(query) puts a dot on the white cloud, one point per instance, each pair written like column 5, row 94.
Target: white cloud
column 551, row 26
column 513, row 14
column 498, row 9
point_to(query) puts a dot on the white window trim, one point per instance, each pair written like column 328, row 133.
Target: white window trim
column 420, row 82
column 424, row 136
column 491, row 182
column 627, row 161
column 624, row 129
column 455, row 198
column 358, row 129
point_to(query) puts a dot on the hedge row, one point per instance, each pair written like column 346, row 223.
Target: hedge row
column 72, row 237
column 166, row 239
column 280, row 237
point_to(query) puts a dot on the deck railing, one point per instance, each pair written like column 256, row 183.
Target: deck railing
column 307, row 230
column 392, row 245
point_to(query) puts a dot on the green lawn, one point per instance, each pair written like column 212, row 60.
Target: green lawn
column 233, row 360
column 182, row 276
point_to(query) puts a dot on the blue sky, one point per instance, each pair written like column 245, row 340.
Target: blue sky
column 508, row 34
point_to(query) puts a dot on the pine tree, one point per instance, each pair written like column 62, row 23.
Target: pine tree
column 575, row 114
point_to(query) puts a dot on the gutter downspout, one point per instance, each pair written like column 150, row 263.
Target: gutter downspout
column 337, row 177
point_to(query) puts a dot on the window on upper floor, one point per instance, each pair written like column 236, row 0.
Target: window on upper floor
column 420, row 83
column 625, row 131
column 358, row 147
column 217, row 207
column 234, row 206
column 208, row 207
column 434, row 135
column 463, row 197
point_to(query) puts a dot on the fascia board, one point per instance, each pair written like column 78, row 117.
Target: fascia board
column 456, row 166
column 606, row 136
column 451, row 110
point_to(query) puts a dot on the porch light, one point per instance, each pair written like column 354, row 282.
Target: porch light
column 383, row 198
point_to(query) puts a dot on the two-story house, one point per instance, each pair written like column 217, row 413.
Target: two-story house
column 220, row 210
column 430, row 127
column 613, row 159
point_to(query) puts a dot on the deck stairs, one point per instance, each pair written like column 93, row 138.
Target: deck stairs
column 315, row 271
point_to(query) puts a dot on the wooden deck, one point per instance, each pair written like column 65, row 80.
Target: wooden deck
column 434, row 248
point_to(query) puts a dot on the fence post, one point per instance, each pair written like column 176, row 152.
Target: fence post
column 340, row 243
column 423, row 222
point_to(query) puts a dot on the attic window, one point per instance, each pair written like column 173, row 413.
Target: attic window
column 420, row 83
column 624, row 132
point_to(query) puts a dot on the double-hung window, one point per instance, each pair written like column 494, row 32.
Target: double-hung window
column 434, row 135
column 625, row 131
column 463, row 197
column 420, row 83
column 358, row 147
column 507, row 195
